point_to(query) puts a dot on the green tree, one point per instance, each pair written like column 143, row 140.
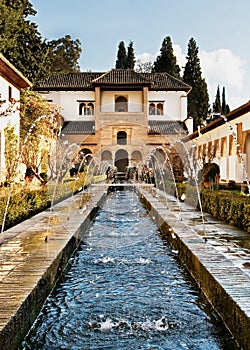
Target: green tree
column 64, row 54
column 166, row 60
column 11, row 152
column 224, row 107
column 20, row 41
column 121, row 62
column 198, row 100
column 22, row 44
column 131, row 56
column 39, row 126
column 217, row 102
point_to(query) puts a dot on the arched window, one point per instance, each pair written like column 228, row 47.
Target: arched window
column 89, row 109
column 159, row 109
column 81, row 108
column 86, row 108
column 151, row 109
column 156, row 108
column 121, row 104
column 121, row 138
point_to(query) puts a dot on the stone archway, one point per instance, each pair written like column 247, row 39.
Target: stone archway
column 121, row 160
column 136, row 157
column 107, row 156
column 210, row 173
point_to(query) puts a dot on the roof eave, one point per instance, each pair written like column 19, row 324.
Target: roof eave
column 12, row 74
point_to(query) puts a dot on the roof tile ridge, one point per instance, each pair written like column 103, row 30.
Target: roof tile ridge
column 102, row 75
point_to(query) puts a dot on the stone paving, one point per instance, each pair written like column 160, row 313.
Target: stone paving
column 31, row 256
column 216, row 254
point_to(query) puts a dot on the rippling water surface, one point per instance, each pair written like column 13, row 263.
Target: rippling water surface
column 125, row 289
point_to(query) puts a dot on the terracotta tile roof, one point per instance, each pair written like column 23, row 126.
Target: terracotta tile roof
column 120, row 77
column 87, row 80
column 166, row 127
column 78, row 127
column 155, row 127
column 237, row 112
column 162, row 81
column 70, row 81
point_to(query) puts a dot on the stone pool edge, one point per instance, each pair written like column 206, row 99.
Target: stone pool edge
column 20, row 303
column 225, row 286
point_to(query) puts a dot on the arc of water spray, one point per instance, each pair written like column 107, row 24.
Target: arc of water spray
column 18, row 158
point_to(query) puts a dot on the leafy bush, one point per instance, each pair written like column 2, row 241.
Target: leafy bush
column 226, row 206
column 19, row 204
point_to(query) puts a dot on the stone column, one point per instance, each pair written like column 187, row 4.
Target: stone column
column 97, row 107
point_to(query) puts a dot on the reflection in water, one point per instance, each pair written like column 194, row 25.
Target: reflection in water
column 125, row 289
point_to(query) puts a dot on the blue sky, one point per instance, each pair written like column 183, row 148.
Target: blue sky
column 221, row 29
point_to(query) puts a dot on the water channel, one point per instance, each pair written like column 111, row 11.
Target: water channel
column 126, row 289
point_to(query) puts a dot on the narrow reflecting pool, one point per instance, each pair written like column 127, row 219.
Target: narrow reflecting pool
column 125, row 289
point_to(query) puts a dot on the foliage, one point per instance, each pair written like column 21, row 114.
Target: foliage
column 121, row 62
column 225, row 109
column 130, row 56
column 218, row 106
column 20, row 41
column 217, row 102
column 166, row 60
column 22, row 44
column 39, row 126
column 145, row 67
column 11, row 153
column 64, row 54
column 125, row 58
column 198, row 100
column 223, row 205
column 24, row 202
column 233, row 209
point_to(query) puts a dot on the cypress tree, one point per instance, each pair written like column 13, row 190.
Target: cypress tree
column 217, row 103
column 131, row 56
column 121, row 62
column 166, row 60
column 198, row 100
column 224, row 107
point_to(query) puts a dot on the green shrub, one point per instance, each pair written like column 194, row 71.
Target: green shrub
column 228, row 207
column 19, row 204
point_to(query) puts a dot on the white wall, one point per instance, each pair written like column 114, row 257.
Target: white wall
column 12, row 119
column 231, row 167
column 175, row 102
column 134, row 100
column 175, row 105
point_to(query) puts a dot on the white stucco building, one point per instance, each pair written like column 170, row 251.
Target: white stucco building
column 120, row 115
column 226, row 141
column 11, row 83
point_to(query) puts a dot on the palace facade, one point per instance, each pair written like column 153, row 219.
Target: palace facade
column 119, row 116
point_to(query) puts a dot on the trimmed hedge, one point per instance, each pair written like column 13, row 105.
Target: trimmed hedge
column 230, row 208
column 17, row 205
column 227, row 206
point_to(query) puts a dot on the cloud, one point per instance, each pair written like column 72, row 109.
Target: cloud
column 220, row 67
